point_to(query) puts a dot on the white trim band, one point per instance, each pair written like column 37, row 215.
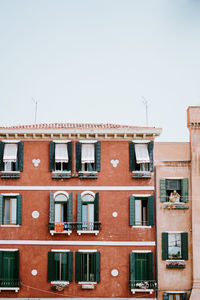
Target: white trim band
column 77, row 188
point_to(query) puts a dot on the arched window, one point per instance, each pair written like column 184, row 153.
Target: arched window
column 88, row 210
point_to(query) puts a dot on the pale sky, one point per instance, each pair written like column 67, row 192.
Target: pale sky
column 96, row 60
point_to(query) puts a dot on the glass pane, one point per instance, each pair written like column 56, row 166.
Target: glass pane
column 7, row 211
column 8, row 166
column 61, row 197
column 91, row 216
column 14, row 211
column 178, row 297
column 58, row 213
column 174, row 245
column 171, row 297
column 88, row 197
column 138, row 212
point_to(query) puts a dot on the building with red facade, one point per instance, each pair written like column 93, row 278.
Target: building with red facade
column 77, row 211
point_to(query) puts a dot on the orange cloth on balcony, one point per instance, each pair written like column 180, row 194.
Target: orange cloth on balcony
column 59, row 227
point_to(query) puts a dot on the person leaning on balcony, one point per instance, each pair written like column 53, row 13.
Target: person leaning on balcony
column 174, row 196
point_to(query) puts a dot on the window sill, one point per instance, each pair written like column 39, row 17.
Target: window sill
column 86, row 174
column 9, row 225
column 150, row 291
column 87, row 285
column 52, row 232
column 87, row 232
column 175, row 264
column 61, row 175
column 16, row 289
column 140, row 226
column 60, row 282
column 141, row 174
column 175, row 205
column 8, row 175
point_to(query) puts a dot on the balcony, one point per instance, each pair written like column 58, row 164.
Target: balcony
column 10, row 284
column 80, row 227
column 142, row 286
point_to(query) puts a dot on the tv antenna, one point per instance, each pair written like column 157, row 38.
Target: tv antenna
column 146, row 103
column 35, row 102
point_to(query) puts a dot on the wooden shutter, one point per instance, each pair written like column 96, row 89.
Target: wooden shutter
column 132, row 159
column 52, row 156
column 70, row 156
column 1, row 264
column 150, row 149
column 184, row 245
column 97, row 156
column 184, row 296
column 70, row 266
column 132, row 270
column 52, row 209
column 70, row 209
column 16, row 266
column 164, row 245
column 51, row 266
column 79, row 211
column 165, row 296
column 78, row 270
column 19, row 209
column 1, row 156
column 132, row 210
column 78, row 156
column 150, row 266
column 151, row 210
column 1, row 209
column 163, row 190
column 97, row 266
column 184, row 190
column 96, row 210
column 20, row 156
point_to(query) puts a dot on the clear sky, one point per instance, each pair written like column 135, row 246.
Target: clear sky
column 97, row 60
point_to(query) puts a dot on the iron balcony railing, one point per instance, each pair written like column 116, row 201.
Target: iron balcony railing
column 142, row 284
column 77, row 226
column 10, row 282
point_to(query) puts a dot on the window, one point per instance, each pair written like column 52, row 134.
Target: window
column 141, row 156
column 10, row 209
column 168, row 187
column 87, row 266
column 88, row 157
column 141, row 271
column 141, row 211
column 60, row 156
column 9, row 268
column 87, row 212
column 175, row 296
column 60, row 211
column 60, row 265
column 174, row 245
column 11, row 157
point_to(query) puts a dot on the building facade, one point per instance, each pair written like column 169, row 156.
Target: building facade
column 77, row 211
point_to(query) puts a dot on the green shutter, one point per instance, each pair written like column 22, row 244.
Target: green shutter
column 96, row 211
column 16, row 266
column 1, row 155
column 1, row 209
column 150, row 266
column 51, row 266
column 97, row 156
column 184, row 245
column 78, row 270
column 1, row 265
column 52, row 209
column 79, row 211
column 164, row 245
column 151, row 210
column 19, row 209
column 132, row 159
column 69, row 148
column 150, row 149
column 20, row 156
column 163, row 191
column 165, row 296
column 184, row 190
column 184, row 296
column 132, row 210
column 97, row 266
column 78, row 156
column 70, row 209
column 52, row 156
column 132, row 269
column 70, row 265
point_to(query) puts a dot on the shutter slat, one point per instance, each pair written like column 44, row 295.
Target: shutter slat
column 97, row 266
column 20, row 156
column 150, row 266
column 70, row 155
column 96, row 210
column 19, row 209
column 70, row 266
column 70, row 209
column 132, row 210
column 52, row 209
column 164, row 245
column 78, row 270
column 97, row 156
column 78, row 156
column 163, row 191
column 184, row 245
column 52, row 156
column 1, row 209
column 184, row 190
column 1, row 156
column 132, row 159
column 150, row 149
column 51, row 266
column 79, row 211
column 151, row 210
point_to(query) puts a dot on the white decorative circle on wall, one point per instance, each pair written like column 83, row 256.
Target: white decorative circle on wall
column 34, row 272
column 36, row 162
column 114, row 162
column 35, row 214
column 114, row 272
column 115, row 214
